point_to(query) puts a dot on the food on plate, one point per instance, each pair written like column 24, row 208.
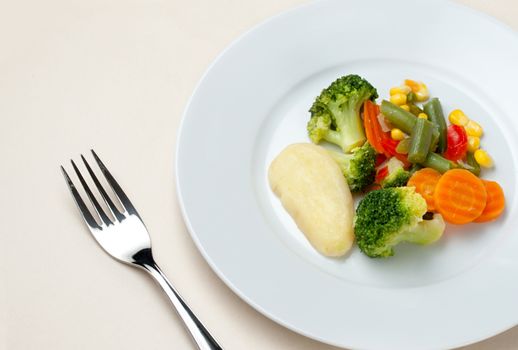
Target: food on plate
column 471, row 164
column 418, row 168
column 424, row 180
column 483, row 158
column 358, row 167
column 421, row 141
column 389, row 216
column 457, row 143
column 495, row 202
column 433, row 110
column 393, row 174
column 335, row 113
column 313, row 191
column 460, row 196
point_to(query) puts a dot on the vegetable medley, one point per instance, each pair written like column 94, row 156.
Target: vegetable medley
column 418, row 168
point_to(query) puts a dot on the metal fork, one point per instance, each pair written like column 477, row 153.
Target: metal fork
column 123, row 235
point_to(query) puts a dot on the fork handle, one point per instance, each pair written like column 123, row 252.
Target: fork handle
column 199, row 333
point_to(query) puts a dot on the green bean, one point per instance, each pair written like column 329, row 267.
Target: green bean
column 414, row 109
column 435, row 140
column 421, row 140
column 411, row 97
column 438, row 163
column 398, row 117
column 403, row 146
column 434, row 111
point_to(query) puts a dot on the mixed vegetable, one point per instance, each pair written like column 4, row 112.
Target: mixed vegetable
column 418, row 169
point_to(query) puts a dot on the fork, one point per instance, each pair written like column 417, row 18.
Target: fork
column 123, row 235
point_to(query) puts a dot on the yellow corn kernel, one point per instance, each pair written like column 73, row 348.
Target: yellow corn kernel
column 423, row 94
column 457, row 117
column 419, row 89
column 412, row 84
column 397, row 134
column 422, row 116
column 473, row 143
column 405, row 107
column 474, row 129
column 398, row 99
column 483, row 158
column 403, row 89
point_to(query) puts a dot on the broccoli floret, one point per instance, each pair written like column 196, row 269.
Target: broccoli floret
column 397, row 175
column 389, row 216
column 358, row 167
column 335, row 114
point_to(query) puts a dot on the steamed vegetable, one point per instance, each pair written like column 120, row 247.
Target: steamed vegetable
column 457, row 143
column 358, row 167
column 419, row 89
column 396, row 175
column 414, row 109
column 390, row 146
column 418, row 171
column 495, row 202
column 460, row 196
column 389, row 216
column 437, row 162
column 405, row 121
column 474, row 129
column 474, row 167
column 473, row 143
column 420, row 141
column 457, row 117
column 335, row 114
column 312, row 189
column 434, row 111
column 397, row 134
column 424, row 181
column 398, row 117
column 483, row 158
column 373, row 130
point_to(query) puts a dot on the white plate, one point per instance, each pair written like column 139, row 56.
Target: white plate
column 253, row 101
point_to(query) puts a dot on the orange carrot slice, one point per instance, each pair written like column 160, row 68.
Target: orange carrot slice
column 372, row 128
column 424, row 181
column 495, row 203
column 369, row 128
column 459, row 196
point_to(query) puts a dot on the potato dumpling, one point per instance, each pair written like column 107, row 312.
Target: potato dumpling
column 313, row 190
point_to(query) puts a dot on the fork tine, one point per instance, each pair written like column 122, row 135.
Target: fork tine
column 91, row 196
column 87, row 216
column 126, row 203
column 109, row 203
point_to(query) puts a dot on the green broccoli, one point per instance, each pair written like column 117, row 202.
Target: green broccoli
column 389, row 216
column 335, row 114
column 397, row 175
column 358, row 167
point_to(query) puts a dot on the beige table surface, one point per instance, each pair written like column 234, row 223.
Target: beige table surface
column 116, row 75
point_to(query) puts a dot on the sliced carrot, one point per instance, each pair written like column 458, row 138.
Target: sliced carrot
column 369, row 128
column 424, row 181
column 459, row 196
column 372, row 128
column 375, row 134
column 495, row 203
